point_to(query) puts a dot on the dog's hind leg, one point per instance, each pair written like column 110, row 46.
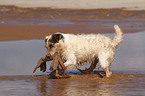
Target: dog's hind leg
column 105, row 59
column 93, row 66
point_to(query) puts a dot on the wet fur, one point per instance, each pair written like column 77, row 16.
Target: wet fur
column 82, row 49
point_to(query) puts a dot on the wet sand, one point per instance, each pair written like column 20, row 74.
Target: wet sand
column 85, row 84
column 35, row 23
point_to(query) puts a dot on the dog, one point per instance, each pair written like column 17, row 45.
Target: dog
column 82, row 49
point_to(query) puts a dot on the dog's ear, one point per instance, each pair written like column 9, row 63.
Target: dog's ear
column 56, row 37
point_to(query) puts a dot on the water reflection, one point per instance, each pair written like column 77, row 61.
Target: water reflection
column 74, row 88
column 20, row 57
column 18, row 88
column 42, row 87
column 95, row 88
column 119, row 84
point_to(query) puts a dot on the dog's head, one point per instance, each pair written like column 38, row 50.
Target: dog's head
column 52, row 41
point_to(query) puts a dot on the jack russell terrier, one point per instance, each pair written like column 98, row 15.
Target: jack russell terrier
column 82, row 49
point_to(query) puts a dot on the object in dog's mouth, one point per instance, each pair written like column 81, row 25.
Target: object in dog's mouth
column 42, row 63
column 57, row 66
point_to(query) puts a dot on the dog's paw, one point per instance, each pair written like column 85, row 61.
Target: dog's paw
column 108, row 74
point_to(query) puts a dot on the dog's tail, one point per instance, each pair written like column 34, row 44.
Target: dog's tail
column 118, row 37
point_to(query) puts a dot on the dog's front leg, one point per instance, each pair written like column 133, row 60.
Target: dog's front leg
column 68, row 63
column 70, row 59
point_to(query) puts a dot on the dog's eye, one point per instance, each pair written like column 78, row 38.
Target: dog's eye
column 51, row 45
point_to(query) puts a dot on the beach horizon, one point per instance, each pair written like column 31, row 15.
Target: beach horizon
column 78, row 4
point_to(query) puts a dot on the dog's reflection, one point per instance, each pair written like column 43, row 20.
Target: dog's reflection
column 67, row 87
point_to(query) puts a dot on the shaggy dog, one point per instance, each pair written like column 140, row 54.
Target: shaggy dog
column 82, row 49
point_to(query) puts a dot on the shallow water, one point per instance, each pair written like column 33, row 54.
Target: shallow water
column 122, row 85
column 18, row 58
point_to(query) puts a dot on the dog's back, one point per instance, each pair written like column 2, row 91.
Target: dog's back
column 87, row 46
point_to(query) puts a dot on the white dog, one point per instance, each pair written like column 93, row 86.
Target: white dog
column 82, row 49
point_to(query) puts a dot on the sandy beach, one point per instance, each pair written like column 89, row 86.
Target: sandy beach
column 78, row 4
column 28, row 23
